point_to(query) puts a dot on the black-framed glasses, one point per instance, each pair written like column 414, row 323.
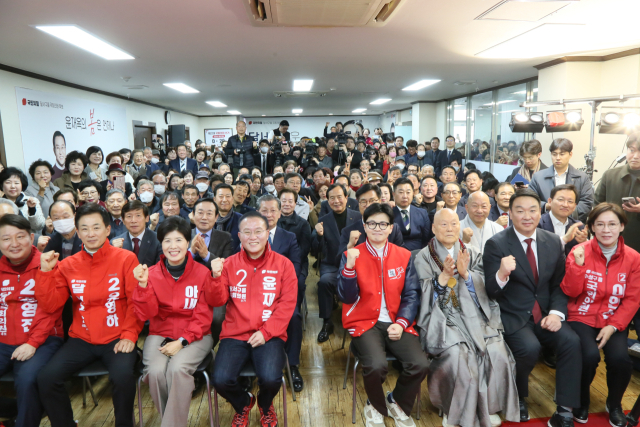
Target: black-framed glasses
column 371, row 225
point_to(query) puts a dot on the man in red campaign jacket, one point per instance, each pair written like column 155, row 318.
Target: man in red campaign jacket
column 29, row 336
column 101, row 283
column 262, row 292
column 381, row 296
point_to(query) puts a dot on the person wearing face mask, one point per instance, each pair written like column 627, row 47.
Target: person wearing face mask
column 445, row 157
column 159, row 183
column 268, row 184
column 264, row 160
column 424, row 157
column 202, row 184
column 146, row 195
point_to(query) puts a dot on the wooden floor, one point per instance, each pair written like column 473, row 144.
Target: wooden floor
column 323, row 402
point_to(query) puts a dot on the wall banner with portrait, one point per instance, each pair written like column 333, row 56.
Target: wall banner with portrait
column 53, row 125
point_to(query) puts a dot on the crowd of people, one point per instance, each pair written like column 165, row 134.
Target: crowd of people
column 465, row 279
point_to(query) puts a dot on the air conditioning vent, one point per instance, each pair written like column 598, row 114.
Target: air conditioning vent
column 321, row 13
column 136, row 87
column 288, row 94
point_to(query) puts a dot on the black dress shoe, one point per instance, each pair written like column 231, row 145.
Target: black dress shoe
column 327, row 329
column 581, row 415
column 558, row 420
column 298, row 383
column 549, row 357
column 617, row 418
column 524, row 411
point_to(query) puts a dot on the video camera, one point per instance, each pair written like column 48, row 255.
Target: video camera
column 311, row 149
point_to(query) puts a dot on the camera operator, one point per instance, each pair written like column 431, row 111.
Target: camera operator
column 346, row 152
column 281, row 133
column 265, row 159
column 319, row 158
column 240, row 148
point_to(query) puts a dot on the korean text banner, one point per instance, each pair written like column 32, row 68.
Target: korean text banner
column 216, row 136
column 53, row 125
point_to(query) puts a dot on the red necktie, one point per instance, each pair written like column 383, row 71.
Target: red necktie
column 136, row 245
column 537, row 313
column 118, row 222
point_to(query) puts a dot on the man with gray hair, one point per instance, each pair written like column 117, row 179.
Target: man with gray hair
column 475, row 228
column 8, row 207
column 115, row 200
column 285, row 243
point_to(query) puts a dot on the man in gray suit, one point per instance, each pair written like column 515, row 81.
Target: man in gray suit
column 208, row 244
column 560, row 173
column 138, row 238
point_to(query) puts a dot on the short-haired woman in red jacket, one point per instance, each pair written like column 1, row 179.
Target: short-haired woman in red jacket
column 28, row 335
column 171, row 295
column 602, row 281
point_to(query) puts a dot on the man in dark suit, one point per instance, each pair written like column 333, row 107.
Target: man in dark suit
column 265, row 159
column 137, row 237
column 354, row 234
column 208, row 244
column 351, row 202
column 115, row 201
column 227, row 220
column 451, row 194
column 523, row 267
column 558, row 220
column 499, row 212
column 412, row 221
column 446, row 156
column 325, row 239
column 183, row 163
column 285, row 243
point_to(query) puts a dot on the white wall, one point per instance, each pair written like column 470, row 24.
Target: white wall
column 583, row 80
column 135, row 111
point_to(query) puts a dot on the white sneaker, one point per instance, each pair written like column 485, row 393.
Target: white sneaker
column 395, row 412
column 495, row 419
column 372, row 417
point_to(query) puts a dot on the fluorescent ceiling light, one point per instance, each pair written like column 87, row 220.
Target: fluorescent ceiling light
column 296, row 110
column 380, row 101
column 302, row 85
column 264, row 115
column 421, row 84
column 331, row 114
column 216, row 104
column 181, row 87
column 235, row 112
column 359, row 110
column 83, row 40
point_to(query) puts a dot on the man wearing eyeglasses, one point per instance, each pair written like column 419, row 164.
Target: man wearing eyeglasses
column 413, row 222
column 448, row 155
column 354, row 234
column 451, row 194
column 381, row 295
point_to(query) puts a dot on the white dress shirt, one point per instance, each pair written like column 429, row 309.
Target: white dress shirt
column 534, row 248
column 131, row 236
column 560, row 179
column 560, row 229
column 272, row 233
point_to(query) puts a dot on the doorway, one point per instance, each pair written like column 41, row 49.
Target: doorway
column 142, row 135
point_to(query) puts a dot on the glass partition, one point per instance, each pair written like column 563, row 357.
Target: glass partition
column 506, row 153
column 480, row 118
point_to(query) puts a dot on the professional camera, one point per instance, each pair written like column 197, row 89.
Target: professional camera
column 311, row 149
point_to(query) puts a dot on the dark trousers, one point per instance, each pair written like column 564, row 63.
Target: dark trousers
column 25, row 375
column 616, row 357
column 326, row 290
column 268, row 362
column 293, row 346
column 216, row 323
column 74, row 355
column 371, row 348
column 525, row 345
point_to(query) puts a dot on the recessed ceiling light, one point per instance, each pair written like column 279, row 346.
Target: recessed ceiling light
column 331, row 114
column 83, row 40
column 380, row 101
column 236, row 112
column 297, row 114
column 181, row 87
column 421, row 84
column 302, row 85
column 264, row 115
column 359, row 110
column 296, row 110
column 216, row 104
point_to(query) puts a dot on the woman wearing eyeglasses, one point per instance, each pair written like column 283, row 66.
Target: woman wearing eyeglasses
column 601, row 281
column 381, row 296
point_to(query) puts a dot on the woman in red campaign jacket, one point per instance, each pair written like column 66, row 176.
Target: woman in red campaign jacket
column 381, row 296
column 171, row 295
column 261, row 292
column 100, row 281
column 29, row 337
column 602, row 281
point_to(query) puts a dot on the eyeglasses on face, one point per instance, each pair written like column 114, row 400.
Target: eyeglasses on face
column 371, row 225
column 451, row 193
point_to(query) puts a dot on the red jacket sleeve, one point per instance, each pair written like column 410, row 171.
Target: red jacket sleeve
column 283, row 309
column 145, row 302
column 131, row 326
column 631, row 301
column 216, row 290
column 573, row 282
column 42, row 325
column 200, row 320
column 52, row 290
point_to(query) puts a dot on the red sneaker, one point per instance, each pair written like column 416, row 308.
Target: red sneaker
column 242, row 420
column 269, row 419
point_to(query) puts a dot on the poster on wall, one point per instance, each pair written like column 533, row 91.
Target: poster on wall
column 53, row 125
column 216, row 136
column 259, row 127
